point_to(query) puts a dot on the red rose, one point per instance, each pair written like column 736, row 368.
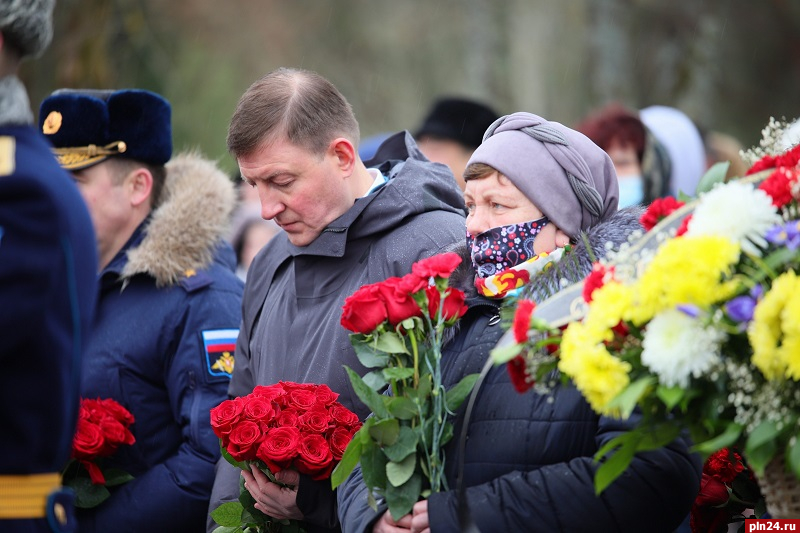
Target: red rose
column 314, row 457
column 453, row 307
column 115, row 410
column 779, row 186
column 343, row 416
column 89, row 440
column 288, row 418
column 338, row 441
column 658, row 210
column 438, row 266
column 316, row 420
column 225, row 415
column 522, row 320
column 518, row 371
column 258, row 409
column 279, row 447
column 364, row 310
column 244, row 440
column 115, row 434
column 270, row 392
column 325, row 395
column 302, row 399
column 400, row 305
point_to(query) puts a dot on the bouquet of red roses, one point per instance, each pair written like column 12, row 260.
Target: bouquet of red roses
column 103, row 426
column 277, row 427
column 398, row 330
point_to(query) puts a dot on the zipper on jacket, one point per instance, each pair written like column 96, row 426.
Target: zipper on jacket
column 194, row 411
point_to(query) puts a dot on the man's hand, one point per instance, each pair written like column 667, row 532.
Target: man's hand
column 419, row 521
column 386, row 524
column 272, row 499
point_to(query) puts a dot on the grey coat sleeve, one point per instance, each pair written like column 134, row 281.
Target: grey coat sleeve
column 355, row 514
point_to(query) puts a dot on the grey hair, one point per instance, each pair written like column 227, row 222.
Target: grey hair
column 27, row 25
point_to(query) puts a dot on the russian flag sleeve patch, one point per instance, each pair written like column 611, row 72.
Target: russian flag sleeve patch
column 219, row 345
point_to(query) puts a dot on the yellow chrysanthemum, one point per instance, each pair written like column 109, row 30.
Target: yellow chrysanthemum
column 688, row 270
column 609, row 304
column 775, row 331
column 597, row 374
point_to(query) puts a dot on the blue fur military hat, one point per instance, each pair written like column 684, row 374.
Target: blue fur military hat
column 89, row 126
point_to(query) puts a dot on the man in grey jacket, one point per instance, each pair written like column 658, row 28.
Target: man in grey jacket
column 346, row 223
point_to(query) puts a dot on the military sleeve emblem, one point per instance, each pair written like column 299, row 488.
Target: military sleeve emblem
column 219, row 345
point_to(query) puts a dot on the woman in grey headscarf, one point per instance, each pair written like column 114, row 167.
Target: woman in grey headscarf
column 532, row 187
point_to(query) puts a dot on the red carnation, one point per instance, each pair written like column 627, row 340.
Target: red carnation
column 724, row 465
column 779, row 186
column 684, row 227
column 412, row 283
column 596, row 279
column 364, row 310
column 438, row 266
column 522, row 320
column 314, row 457
column 658, row 210
column 518, row 370
column 279, row 447
column 400, row 305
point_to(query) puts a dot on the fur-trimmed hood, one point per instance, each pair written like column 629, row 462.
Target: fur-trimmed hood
column 185, row 229
column 572, row 268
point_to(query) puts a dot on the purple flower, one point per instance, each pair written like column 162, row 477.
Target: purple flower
column 785, row 234
column 757, row 291
column 740, row 309
column 689, row 310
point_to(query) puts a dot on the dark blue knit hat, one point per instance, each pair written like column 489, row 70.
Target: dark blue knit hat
column 89, row 126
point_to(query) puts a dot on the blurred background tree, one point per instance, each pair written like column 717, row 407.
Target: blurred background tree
column 729, row 64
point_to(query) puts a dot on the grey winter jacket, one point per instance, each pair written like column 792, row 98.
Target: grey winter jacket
column 528, row 458
column 293, row 299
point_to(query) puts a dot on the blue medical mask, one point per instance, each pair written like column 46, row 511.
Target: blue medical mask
column 631, row 191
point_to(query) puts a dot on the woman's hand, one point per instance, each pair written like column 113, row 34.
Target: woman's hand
column 272, row 499
column 387, row 524
column 562, row 239
column 419, row 522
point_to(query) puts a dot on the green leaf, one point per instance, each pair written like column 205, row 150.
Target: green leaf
column 371, row 399
column 402, row 408
column 375, row 380
column 348, row 462
column 671, row 396
column 227, row 456
column 367, row 355
column 456, row 395
column 447, row 433
column 399, row 472
column 385, row 432
column 408, row 323
column 657, row 437
column 406, row 444
column 615, row 465
column 228, row 514
column 504, row 354
column 373, row 465
column 793, row 456
column 115, row 476
column 715, row 174
column 228, row 529
column 626, row 400
column 397, row 373
column 725, row 439
column 763, row 433
column 390, row 342
column 87, row 494
column 402, row 499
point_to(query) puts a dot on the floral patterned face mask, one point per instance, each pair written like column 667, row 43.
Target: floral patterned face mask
column 504, row 247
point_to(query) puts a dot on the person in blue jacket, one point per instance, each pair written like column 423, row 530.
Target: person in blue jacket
column 47, row 293
column 169, row 302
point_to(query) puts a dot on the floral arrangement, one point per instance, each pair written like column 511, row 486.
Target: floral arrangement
column 728, row 493
column 277, row 427
column 103, row 426
column 696, row 325
column 398, row 327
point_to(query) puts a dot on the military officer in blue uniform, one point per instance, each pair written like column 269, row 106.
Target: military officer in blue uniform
column 47, row 293
column 169, row 300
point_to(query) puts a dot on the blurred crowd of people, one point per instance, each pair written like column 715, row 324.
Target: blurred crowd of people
column 153, row 278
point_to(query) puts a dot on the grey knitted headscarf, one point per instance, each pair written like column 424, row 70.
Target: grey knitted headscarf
column 568, row 177
column 27, row 25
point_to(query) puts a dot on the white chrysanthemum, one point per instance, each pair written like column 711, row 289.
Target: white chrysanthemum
column 737, row 211
column 677, row 346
